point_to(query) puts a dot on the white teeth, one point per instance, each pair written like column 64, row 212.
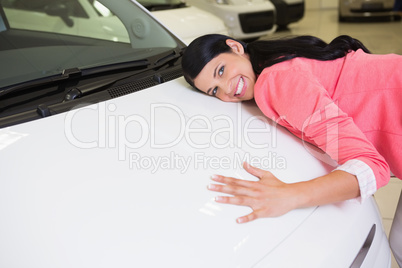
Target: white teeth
column 240, row 86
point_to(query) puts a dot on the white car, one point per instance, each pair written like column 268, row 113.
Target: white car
column 72, row 17
column 245, row 19
column 186, row 21
column 106, row 153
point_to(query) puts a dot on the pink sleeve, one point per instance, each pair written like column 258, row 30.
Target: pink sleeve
column 296, row 100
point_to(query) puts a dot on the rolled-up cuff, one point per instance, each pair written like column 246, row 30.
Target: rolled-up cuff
column 364, row 174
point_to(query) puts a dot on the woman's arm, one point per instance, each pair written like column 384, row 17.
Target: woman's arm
column 270, row 197
column 295, row 99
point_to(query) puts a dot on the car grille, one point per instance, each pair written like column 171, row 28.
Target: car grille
column 372, row 7
column 257, row 22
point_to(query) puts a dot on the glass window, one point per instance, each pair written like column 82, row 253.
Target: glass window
column 41, row 38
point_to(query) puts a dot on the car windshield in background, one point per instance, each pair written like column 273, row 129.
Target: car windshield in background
column 44, row 38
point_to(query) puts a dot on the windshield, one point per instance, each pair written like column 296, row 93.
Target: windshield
column 41, row 38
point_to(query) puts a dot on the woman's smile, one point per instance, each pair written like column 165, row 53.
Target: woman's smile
column 241, row 88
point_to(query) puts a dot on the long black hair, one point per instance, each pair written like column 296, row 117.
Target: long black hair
column 265, row 53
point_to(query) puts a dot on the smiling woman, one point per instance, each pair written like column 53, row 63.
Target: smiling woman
column 322, row 93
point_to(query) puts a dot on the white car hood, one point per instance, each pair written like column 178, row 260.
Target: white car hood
column 79, row 189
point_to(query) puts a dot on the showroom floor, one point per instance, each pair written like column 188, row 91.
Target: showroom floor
column 379, row 37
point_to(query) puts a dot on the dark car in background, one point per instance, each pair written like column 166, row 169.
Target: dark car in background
column 367, row 10
column 288, row 11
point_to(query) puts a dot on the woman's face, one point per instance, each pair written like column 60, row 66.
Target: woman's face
column 228, row 76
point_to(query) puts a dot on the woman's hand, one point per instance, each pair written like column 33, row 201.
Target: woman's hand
column 270, row 197
column 267, row 197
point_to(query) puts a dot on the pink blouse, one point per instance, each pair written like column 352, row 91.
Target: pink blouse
column 351, row 108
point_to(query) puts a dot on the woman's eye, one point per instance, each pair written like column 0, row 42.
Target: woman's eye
column 220, row 72
column 214, row 91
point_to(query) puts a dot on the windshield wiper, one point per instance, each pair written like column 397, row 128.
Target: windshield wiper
column 166, row 58
column 156, row 7
column 105, row 82
column 65, row 75
column 107, row 75
column 90, row 88
column 69, row 74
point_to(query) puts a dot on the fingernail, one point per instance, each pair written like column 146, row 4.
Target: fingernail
column 214, row 176
column 218, row 198
column 211, row 186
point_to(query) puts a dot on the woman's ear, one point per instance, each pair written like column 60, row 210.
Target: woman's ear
column 235, row 46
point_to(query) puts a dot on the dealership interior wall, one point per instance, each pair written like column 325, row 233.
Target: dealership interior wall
column 321, row 19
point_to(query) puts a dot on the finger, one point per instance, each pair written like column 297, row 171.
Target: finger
column 231, row 189
column 257, row 172
column 248, row 218
column 231, row 181
column 235, row 200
